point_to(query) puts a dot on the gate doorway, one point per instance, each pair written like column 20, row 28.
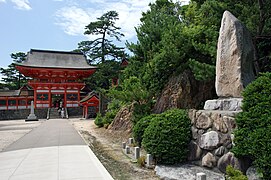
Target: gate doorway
column 58, row 101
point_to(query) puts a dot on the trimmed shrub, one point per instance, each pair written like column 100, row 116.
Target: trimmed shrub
column 253, row 134
column 167, row 136
column 234, row 174
column 99, row 120
column 140, row 126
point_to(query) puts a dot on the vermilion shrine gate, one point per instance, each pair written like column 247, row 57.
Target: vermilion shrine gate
column 56, row 76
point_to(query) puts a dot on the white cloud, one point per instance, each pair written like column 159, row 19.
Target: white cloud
column 73, row 18
column 2, row 1
column 22, row 4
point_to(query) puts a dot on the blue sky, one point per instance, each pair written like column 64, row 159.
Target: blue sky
column 59, row 24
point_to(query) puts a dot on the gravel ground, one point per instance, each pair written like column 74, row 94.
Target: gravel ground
column 12, row 130
column 106, row 144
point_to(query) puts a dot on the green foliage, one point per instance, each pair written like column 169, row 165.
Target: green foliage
column 105, row 72
column 252, row 138
column 167, row 136
column 99, row 120
column 102, row 48
column 11, row 76
column 234, row 174
column 130, row 90
column 140, row 126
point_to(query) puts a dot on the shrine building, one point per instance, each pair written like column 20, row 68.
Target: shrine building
column 56, row 81
column 56, row 76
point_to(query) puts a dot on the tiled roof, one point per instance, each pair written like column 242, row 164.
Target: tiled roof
column 90, row 95
column 56, row 59
column 8, row 93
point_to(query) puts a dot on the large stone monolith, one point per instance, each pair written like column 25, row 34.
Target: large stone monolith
column 235, row 55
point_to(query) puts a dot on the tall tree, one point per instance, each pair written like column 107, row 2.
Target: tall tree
column 103, row 48
column 11, row 76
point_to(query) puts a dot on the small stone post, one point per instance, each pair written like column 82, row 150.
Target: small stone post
column 137, row 152
column 201, row 176
column 149, row 160
column 131, row 141
column 32, row 116
column 123, row 145
column 127, row 150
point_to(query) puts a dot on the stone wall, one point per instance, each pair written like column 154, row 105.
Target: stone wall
column 213, row 139
column 21, row 114
column 75, row 111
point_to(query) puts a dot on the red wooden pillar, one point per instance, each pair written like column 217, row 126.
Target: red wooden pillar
column 65, row 96
column 50, row 97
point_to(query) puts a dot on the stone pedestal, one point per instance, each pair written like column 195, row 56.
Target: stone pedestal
column 224, row 104
column 32, row 116
column 137, row 152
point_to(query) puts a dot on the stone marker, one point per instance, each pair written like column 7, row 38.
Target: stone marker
column 201, row 176
column 235, row 56
column 32, row 116
column 131, row 141
column 127, row 150
column 149, row 160
column 137, row 152
column 123, row 145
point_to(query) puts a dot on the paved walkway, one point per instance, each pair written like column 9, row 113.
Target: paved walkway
column 52, row 151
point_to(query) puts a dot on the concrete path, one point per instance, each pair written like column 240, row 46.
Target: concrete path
column 52, row 151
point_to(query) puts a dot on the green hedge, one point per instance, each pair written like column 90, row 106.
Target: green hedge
column 140, row 126
column 167, row 136
column 253, row 136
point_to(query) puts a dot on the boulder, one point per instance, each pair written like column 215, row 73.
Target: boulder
column 220, row 125
column 221, row 151
column 235, row 56
column 209, row 160
column 230, row 159
column 194, row 151
column 204, row 121
column 185, row 172
column 184, row 91
column 209, row 140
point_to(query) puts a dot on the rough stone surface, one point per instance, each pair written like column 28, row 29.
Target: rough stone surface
column 252, row 174
column 235, row 55
column 209, row 140
column 220, row 125
column 226, row 104
column 194, row 151
column 185, row 172
column 221, row 151
column 227, row 159
column 123, row 120
column 209, row 160
column 184, row 91
column 203, row 121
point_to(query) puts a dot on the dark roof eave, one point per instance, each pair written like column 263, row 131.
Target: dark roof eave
column 54, row 67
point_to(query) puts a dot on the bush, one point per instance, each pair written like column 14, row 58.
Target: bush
column 139, row 128
column 167, row 136
column 234, row 174
column 109, row 117
column 252, row 138
column 99, row 120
